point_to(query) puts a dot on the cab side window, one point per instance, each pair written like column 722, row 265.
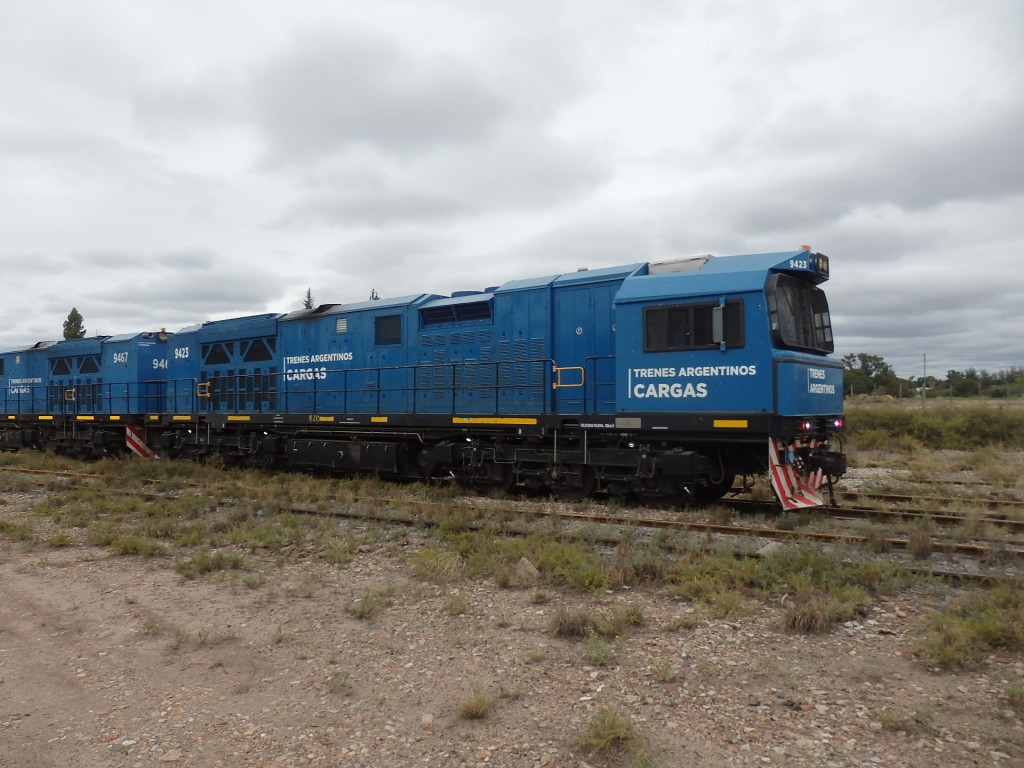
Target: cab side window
column 691, row 326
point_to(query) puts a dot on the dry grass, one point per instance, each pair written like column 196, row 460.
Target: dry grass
column 578, row 623
column 365, row 606
column 476, row 704
column 438, row 566
column 920, row 544
column 607, row 730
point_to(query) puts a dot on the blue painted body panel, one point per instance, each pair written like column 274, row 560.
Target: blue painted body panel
column 331, row 363
column 583, row 329
column 807, row 385
column 224, row 367
column 24, row 380
column 183, row 361
column 564, row 345
column 747, row 379
column 75, row 383
column 134, row 373
column 569, row 345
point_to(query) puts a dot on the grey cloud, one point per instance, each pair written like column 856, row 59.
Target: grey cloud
column 977, row 158
column 337, row 206
column 187, row 259
column 521, row 169
column 224, row 287
column 148, row 291
column 330, row 91
column 168, row 107
column 518, row 170
column 948, row 311
column 397, row 262
column 891, row 193
column 23, row 264
column 583, row 243
column 78, row 154
column 111, row 260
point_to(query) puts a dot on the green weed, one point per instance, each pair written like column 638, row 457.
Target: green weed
column 207, row 561
column 974, row 626
column 608, row 729
column 134, row 544
column 366, row 606
column 17, row 531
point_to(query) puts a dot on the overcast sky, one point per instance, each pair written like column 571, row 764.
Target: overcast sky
column 168, row 162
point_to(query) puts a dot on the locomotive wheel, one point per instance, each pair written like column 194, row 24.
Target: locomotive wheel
column 575, row 492
column 707, row 492
column 499, row 479
column 667, row 495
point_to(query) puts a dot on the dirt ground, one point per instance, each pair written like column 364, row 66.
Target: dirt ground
column 119, row 661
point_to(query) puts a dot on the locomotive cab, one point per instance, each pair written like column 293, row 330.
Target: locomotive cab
column 734, row 353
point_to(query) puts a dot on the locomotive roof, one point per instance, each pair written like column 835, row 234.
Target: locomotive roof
column 87, row 346
column 472, row 298
column 579, row 277
column 137, row 335
column 231, row 324
column 359, row 306
column 725, row 274
column 31, row 348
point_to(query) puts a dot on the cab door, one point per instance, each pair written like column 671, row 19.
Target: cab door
column 584, row 349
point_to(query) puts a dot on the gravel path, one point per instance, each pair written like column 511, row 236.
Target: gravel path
column 111, row 661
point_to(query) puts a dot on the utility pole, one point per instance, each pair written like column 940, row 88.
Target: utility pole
column 924, row 380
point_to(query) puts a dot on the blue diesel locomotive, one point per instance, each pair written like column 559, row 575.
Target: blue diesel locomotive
column 661, row 380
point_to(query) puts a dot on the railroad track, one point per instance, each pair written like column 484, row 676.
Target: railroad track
column 901, row 514
column 641, row 518
column 898, row 498
column 613, row 522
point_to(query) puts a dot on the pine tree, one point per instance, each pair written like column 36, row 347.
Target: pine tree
column 307, row 303
column 73, row 328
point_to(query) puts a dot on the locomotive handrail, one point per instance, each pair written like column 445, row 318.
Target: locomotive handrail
column 500, row 386
column 559, row 370
column 245, row 393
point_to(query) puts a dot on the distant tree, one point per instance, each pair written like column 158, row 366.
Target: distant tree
column 73, row 328
column 868, row 374
column 373, row 295
column 307, row 303
column 963, row 384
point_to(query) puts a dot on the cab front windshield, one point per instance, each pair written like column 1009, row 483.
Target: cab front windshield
column 798, row 314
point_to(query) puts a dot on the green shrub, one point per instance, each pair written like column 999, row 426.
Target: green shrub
column 608, row 729
column 812, row 612
column 210, row 561
column 134, row 544
column 939, row 425
column 581, row 623
column 366, row 606
column 61, row 539
column 975, row 626
column 572, row 623
column 17, row 531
